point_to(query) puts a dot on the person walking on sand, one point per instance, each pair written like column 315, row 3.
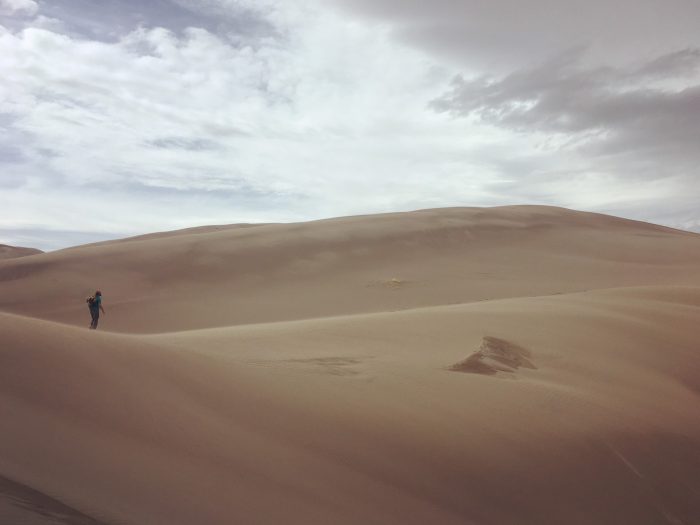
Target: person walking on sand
column 95, row 305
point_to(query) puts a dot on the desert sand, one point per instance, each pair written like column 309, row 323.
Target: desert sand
column 515, row 365
column 11, row 252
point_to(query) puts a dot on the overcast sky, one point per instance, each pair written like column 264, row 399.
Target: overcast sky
column 132, row 116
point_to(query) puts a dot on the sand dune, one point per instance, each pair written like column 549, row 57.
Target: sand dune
column 358, row 419
column 551, row 405
column 353, row 265
column 12, row 252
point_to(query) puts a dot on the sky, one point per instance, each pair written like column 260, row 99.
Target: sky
column 125, row 117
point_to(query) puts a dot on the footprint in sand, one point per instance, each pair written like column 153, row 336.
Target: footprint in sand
column 495, row 355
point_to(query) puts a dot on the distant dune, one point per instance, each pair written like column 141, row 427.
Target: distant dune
column 232, row 276
column 12, row 252
column 505, row 366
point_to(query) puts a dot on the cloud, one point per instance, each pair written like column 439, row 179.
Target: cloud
column 499, row 35
column 616, row 139
column 184, row 143
column 138, row 116
column 646, row 110
column 109, row 21
column 326, row 118
column 594, row 102
column 18, row 7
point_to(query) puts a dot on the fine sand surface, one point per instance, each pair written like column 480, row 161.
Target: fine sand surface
column 517, row 365
column 12, row 252
column 224, row 276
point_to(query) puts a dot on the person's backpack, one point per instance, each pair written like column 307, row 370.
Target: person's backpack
column 90, row 301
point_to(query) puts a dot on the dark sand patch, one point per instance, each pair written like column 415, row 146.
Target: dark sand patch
column 22, row 505
column 338, row 366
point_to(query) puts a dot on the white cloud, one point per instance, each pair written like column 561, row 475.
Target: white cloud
column 315, row 114
column 329, row 118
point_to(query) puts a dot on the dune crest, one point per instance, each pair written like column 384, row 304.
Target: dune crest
column 223, row 276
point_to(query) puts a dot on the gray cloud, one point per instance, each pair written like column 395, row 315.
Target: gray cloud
column 107, row 21
column 10, row 154
column 11, row 180
column 500, row 34
column 606, row 94
column 230, row 190
column 649, row 111
column 21, row 8
column 184, row 143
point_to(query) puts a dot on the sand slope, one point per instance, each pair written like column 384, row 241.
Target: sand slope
column 507, row 366
column 359, row 419
column 12, row 252
column 240, row 275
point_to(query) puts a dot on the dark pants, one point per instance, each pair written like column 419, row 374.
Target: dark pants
column 95, row 313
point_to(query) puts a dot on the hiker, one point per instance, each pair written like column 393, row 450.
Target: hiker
column 95, row 305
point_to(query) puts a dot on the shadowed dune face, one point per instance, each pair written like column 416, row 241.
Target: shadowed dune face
column 257, row 398
column 21, row 505
column 240, row 275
